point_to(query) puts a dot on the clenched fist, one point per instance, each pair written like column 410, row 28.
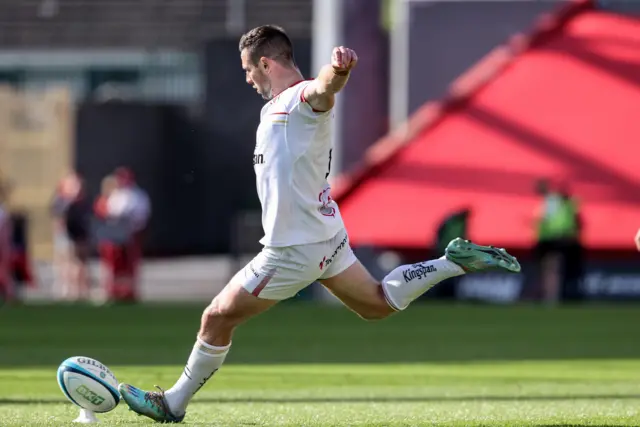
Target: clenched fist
column 343, row 59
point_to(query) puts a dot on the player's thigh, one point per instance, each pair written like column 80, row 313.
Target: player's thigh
column 281, row 273
column 344, row 275
column 359, row 291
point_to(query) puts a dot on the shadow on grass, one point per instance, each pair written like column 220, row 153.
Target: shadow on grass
column 426, row 399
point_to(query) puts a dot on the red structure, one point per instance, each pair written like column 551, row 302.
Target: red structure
column 558, row 103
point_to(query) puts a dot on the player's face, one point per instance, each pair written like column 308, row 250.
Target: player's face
column 256, row 76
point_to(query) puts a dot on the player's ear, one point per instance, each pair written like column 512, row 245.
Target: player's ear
column 264, row 64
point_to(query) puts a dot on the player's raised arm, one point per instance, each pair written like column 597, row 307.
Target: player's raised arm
column 320, row 94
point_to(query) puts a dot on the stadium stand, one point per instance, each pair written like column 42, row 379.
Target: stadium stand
column 126, row 23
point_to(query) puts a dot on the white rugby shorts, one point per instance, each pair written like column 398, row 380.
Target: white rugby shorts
column 280, row 273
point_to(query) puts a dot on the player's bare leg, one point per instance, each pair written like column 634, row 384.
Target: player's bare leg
column 230, row 308
column 360, row 292
column 371, row 299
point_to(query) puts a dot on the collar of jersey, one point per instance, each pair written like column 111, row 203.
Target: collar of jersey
column 290, row 86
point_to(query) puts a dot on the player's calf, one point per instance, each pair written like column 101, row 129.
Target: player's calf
column 406, row 283
column 204, row 361
column 373, row 313
column 370, row 305
column 229, row 309
column 359, row 291
column 207, row 355
column 373, row 300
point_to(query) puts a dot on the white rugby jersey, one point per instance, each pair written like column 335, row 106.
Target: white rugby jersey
column 292, row 160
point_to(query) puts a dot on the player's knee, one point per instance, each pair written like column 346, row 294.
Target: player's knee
column 219, row 316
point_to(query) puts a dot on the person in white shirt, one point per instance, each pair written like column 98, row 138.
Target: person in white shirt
column 305, row 239
column 128, row 208
column 128, row 201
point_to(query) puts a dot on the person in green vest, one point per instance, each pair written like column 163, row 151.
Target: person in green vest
column 558, row 229
column 559, row 216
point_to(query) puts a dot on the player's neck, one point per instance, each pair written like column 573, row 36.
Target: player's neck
column 288, row 79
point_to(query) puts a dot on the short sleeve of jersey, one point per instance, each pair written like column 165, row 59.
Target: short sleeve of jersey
column 306, row 109
column 304, row 122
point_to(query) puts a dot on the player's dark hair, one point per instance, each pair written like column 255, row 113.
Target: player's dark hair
column 269, row 41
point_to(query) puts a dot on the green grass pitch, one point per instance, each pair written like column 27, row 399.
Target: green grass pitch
column 304, row 365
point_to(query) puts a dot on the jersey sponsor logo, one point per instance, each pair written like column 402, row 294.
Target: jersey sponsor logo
column 328, row 211
column 258, row 159
column 327, row 261
column 253, row 270
column 326, row 200
column 417, row 271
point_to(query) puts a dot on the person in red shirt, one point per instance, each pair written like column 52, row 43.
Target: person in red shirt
column 7, row 291
column 123, row 209
column 110, row 241
column 130, row 204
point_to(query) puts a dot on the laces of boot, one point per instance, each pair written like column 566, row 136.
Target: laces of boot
column 156, row 397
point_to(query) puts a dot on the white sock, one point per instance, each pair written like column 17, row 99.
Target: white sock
column 203, row 362
column 408, row 282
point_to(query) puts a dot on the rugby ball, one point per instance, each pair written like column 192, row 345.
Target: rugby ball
column 88, row 384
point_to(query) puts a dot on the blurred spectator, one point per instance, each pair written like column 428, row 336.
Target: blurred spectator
column 558, row 234
column 21, row 265
column 130, row 202
column 107, row 187
column 573, row 250
column 72, row 212
column 112, row 236
column 7, row 290
column 61, row 243
column 124, row 210
column 454, row 225
column 638, row 240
